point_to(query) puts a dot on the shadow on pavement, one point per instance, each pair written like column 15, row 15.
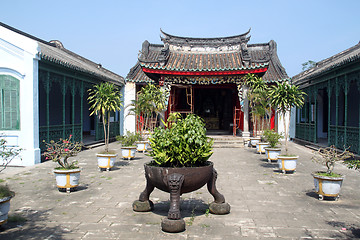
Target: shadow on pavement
column 350, row 230
column 23, row 225
column 189, row 208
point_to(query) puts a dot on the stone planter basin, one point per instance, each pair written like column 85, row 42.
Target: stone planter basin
column 260, row 147
column 254, row 141
column 4, row 209
column 142, row 146
column 287, row 163
column 128, row 152
column 272, row 153
column 327, row 186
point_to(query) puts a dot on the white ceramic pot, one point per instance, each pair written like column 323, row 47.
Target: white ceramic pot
column 272, row 154
column 128, row 152
column 106, row 160
column 142, row 146
column 327, row 186
column 254, row 141
column 247, row 142
column 67, row 179
column 4, row 209
column 287, row 163
column 260, row 147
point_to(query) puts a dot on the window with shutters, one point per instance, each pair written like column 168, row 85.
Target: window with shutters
column 9, row 103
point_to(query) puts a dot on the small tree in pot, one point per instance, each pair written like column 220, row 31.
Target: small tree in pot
column 60, row 152
column 328, row 183
column 104, row 99
column 180, row 165
column 286, row 96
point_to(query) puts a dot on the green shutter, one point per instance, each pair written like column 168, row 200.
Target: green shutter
column 9, row 112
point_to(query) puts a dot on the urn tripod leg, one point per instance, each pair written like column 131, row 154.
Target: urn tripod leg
column 174, row 222
column 219, row 206
column 144, row 204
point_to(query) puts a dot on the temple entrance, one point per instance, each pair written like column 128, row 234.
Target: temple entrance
column 215, row 104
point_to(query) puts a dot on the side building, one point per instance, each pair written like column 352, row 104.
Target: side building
column 43, row 94
column 331, row 113
column 205, row 76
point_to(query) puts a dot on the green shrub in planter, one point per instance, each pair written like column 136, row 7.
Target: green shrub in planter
column 129, row 139
column 272, row 137
column 182, row 143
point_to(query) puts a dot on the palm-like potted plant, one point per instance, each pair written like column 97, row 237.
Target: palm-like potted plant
column 258, row 101
column 286, row 96
column 147, row 108
column 6, row 155
column 328, row 184
column 67, row 173
column 104, row 99
column 273, row 151
column 180, row 164
column 128, row 147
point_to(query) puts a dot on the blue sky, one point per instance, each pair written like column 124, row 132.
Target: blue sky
column 111, row 32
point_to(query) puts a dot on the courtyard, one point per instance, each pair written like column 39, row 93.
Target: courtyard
column 265, row 204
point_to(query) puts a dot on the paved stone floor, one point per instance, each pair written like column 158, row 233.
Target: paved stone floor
column 264, row 203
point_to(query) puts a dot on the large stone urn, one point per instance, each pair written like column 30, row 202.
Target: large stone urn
column 177, row 181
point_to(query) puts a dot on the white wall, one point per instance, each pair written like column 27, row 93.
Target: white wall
column 281, row 123
column 292, row 123
column 129, row 119
column 18, row 58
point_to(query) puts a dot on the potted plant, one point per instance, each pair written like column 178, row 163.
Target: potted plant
column 328, row 184
column 260, row 146
column 272, row 152
column 128, row 147
column 147, row 107
column 67, row 174
column 6, row 155
column 180, row 153
column 286, row 96
column 104, row 99
column 5, row 197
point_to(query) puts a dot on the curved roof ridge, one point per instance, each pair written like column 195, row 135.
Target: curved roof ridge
column 236, row 39
column 229, row 37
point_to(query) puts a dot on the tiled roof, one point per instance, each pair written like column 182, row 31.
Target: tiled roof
column 349, row 55
column 55, row 52
column 66, row 58
column 180, row 54
column 137, row 75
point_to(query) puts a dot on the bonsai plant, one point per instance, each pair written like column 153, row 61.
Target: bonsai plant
column 272, row 152
column 285, row 96
column 180, row 153
column 128, row 147
column 328, row 184
column 67, row 173
column 104, row 99
column 7, row 154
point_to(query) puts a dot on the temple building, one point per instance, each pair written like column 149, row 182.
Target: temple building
column 43, row 94
column 331, row 113
column 205, row 76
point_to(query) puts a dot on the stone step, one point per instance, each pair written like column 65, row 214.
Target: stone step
column 228, row 142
